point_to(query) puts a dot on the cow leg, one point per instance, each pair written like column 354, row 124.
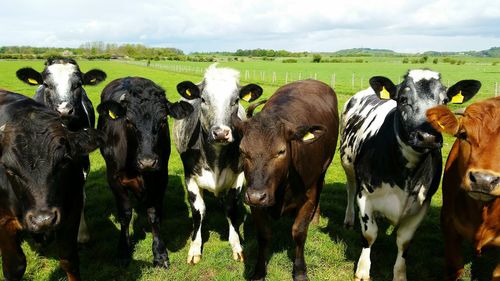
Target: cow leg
column 369, row 231
column 406, row 230
column 232, row 217
column 264, row 235
column 13, row 258
column 160, row 255
column 300, row 227
column 454, row 261
column 67, row 241
column 83, row 231
column 195, row 195
column 351, row 196
column 124, row 210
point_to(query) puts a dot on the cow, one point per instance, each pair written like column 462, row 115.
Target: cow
column 471, row 181
column 287, row 148
column 41, row 183
column 391, row 156
column 208, row 147
column 61, row 89
column 133, row 117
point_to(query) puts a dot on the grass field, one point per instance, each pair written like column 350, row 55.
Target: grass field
column 331, row 251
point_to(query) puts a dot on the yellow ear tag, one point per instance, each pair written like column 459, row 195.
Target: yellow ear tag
column 308, row 136
column 112, row 114
column 93, row 80
column 384, row 94
column 32, row 81
column 188, row 93
column 247, row 97
column 440, row 125
column 458, row 98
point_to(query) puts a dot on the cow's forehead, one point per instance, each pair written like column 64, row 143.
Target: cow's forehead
column 423, row 74
column 61, row 71
column 220, row 82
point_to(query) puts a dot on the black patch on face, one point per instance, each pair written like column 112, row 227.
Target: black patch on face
column 365, row 219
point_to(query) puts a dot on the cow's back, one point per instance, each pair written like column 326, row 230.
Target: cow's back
column 308, row 102
column 362, row 117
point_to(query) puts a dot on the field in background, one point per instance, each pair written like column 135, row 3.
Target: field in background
column 331, row 251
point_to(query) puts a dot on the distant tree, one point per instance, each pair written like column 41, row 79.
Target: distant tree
column 435, row 61
column 406, row 60
column 316, row 58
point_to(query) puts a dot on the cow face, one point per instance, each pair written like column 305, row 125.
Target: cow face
column 477, row 145
column 266, row 149
column 39, row 159
column 419, row 91
column 61, row 83
column 218, row 99
column 142, row 113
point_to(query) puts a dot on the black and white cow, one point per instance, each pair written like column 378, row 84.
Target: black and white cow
column 392, row 156
column 61, row 89
column 209, row 148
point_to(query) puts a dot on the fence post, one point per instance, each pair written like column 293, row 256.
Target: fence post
column 361, row 84
column 315, row 76
column 496, row 89
column 332, row 83
column 274, row 77
column 286, row 78
column 300, row 75
column 352, row 82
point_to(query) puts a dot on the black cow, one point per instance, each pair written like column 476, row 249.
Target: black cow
column 209, row 148
column 287, row 148
column 392, row 156
column 41, row 183
column 61, row 89
column 133, row 115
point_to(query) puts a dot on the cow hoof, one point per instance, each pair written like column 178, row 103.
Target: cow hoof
column 163, row 264
column 238, row 256
column 300, row 277
column 194, row 259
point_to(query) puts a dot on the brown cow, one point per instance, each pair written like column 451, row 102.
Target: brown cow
column 286, row 149
column 471, row 183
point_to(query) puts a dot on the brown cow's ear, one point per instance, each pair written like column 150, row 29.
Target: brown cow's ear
column 383, row 87
column 188, row 90
column 443, row 120
column 29, row 76
column 308, row 134
column 250, row 92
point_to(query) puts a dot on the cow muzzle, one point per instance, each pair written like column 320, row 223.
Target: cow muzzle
column 148, row 164
column 484, row 183
column 66, row 109
column 221, row 134
column 425, row 140
column 258, row 198
column 42, row 220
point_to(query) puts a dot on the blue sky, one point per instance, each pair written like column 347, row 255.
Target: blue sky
column 227, row 25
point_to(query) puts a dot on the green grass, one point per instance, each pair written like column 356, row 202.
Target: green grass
column 331, row 251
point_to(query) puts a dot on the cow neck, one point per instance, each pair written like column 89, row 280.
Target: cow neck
column 220, row 156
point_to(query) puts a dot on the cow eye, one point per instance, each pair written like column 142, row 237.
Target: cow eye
column 10, row 172
column 235, row 102
column 281, row 152
column 202, row 100
column 462, row 135
column 403, row 100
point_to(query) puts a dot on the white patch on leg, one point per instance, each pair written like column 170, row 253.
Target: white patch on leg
column 234, row 238
column 351, row 196
column 405, row 233
column 199, row 205
column 364, row 264
column 370, row 234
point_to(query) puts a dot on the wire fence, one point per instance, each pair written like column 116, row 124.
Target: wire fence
column 349, row 84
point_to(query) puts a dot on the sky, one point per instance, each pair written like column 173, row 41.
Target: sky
column 228, row 25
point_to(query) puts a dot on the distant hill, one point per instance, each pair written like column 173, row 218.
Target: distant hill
column 493, row 52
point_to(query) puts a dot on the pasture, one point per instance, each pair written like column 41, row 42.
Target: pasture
column 331, row 251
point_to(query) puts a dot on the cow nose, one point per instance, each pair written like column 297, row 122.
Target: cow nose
column 221, row 134
column 42, row 220
column 66, row 109
column 427, row 140
column 483, row 182
column 148, row 163
column 256, row 198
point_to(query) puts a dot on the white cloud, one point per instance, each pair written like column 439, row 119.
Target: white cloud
column 213, row 25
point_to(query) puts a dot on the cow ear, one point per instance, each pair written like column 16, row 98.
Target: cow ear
column 383, row 87
column 250, row 92
column 238, row 124
column 308, row 133
column 463, row 91
column 84, row 141
column 29, row 76
column 94, row 77
column 442, row 119
column 111, row 109
column 188, row 90
column 179, row 110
